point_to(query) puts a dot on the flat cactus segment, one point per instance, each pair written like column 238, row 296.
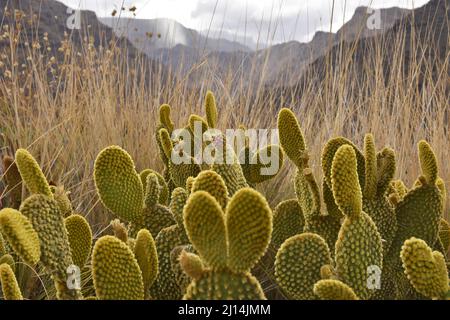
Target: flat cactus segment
column 425, row 269
column 10, row 287
column 48, row 222
column 291, row 137
column 428, row 162
column 329, row 152
column 205, row 226
column 444, row 234
column 387, row 165
column 115, row 271
column 344, row 176
column 164, row 117
column 211, row 110
column 212, row 183
column 118, row 184
column 31, row 173
column 370, row 188
column 298, row 265
column 164, row 191
column 288, row 221
column 19, row 232
column 331, row 289
column 147, row 258
column 80, row 238
column 249, row 228
column 358, row 254
column 225, row 286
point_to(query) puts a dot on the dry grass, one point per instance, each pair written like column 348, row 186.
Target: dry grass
column 66, row 108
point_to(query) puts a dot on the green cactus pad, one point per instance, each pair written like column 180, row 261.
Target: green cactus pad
column 205, row 226
column 211, row 110
column 428, row 162
column 147, row 258
column 164, row 195
column 212, row 183
column 444, row 234
column 249, row 228
column 225, row 285
column 345, row 185
column 10, row 287
column 425, row 269
column 164, row 117
column 288, row 221
column 19, row 232
column 166, row 286
column 48, row 222
column 80, row 239
column 334, row 290
column 118, row 184
column 115, row 271
column 31, row 173
column 298, row 264
column 328, row 154
column 62, row 198
column 291, row 137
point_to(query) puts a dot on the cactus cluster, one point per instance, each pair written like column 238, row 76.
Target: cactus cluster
column 205, row 231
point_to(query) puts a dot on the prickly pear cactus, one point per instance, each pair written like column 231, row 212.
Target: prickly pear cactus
column 359, row 246
column 229, row 244
column 115, row 271
column 80, row 238
column 18, row 231
column 331, row 289
column 425, row 269
column 298, row 265
column 10, row 287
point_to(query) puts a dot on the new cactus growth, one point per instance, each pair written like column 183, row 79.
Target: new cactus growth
column 10, row 287
column 425, row 269
column 115, row 271
column 31, row 174
column 330, row 289
column 146, row 256
column 79, row 234
column 229, row 243
column 211, row 110
column 19, row 232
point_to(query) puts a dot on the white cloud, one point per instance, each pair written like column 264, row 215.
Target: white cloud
column 271, row 20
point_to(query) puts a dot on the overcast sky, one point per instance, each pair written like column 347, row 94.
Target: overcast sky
column 270, row 20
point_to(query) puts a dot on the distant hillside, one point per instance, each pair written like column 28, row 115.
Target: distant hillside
column 426, row 27
column 50, row 16
column 181, row 48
